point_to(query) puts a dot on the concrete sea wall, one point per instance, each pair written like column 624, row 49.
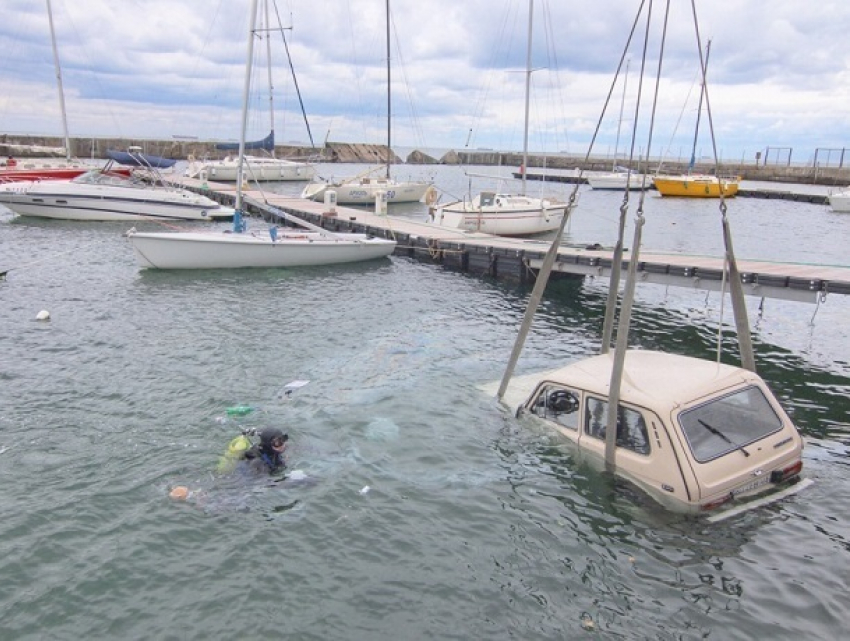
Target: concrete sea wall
column 341, row 152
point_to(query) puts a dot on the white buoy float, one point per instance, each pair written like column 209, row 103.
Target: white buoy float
column 43, row 315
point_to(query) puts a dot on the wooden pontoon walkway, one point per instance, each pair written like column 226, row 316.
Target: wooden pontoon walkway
column 519, row 259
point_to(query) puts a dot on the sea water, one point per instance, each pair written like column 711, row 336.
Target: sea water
column 472, row 524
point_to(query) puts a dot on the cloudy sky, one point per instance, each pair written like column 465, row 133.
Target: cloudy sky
column 778, row 72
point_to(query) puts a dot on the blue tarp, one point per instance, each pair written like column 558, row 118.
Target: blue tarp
column 266, row 143
column 137, row 159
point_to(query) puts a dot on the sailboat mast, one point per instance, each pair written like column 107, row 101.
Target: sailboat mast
column 389, row 97
column 699, row 110
column 269, row 65
column 59, row 83
column 620, row 122
column 240, row 173
column 527, row 96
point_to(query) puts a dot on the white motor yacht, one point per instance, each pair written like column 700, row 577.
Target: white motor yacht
column 103, row 195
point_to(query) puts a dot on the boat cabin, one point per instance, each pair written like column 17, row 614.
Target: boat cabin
column 692, row 433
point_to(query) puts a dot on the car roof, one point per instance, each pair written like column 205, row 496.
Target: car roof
column 656, row 380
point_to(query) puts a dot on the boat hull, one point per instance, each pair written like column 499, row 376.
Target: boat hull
column 615, row 181
column 52, row 173
column 696, row 186
column 70, row 201
column 840, row 202
column 264, row 170
column 365, row 193
column 229, row 250
column 501, row 215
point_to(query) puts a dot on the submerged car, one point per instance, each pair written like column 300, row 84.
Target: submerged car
column 694, row 434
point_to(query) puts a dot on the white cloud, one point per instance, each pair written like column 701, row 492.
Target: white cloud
column 778, row 73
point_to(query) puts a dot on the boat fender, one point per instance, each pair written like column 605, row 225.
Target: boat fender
column 273, row 233
column 431, row 196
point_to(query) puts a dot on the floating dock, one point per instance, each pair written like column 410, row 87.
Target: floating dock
column 519, row 259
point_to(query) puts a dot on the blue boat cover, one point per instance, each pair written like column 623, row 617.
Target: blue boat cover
column 137, row 159
column 266, row 143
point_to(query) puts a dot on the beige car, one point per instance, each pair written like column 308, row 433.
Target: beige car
column 694, row 434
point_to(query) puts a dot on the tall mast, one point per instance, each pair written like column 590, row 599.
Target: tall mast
column 389, row 97
column 59, row 83
column 240, row 172
column 620, row 121
column 269, row 65
column 699, row 110
column 527, row 96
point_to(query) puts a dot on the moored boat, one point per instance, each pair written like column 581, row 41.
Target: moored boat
column 364, row 190
column 501, row 214
column 696, row 186
column 505, row 214
column 616, row 180
column 240, row 248
column 257, row 168
column 272, row 248
column 102, row 195
column 30, row 169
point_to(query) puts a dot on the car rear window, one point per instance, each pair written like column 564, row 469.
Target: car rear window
column 729, row 423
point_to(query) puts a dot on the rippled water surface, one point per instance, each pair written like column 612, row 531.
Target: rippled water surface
column 424, row 511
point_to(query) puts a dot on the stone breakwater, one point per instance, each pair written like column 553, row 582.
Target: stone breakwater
column 341, row 152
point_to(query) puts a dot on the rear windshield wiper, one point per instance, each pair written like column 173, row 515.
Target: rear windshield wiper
column 717, row 432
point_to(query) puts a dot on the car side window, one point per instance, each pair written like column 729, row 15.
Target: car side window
column 631, row 426
column 558, row 404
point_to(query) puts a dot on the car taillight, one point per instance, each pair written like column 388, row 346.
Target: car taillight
column 713, row 505
column 777, row 476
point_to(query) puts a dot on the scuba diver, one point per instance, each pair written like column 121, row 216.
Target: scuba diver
column 267, row 455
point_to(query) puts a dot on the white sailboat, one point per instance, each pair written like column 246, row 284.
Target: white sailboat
column 365, row 188
column 258, row 168
column 504, row 214
column 243, row 248
column 619, row 178
column 696, row 435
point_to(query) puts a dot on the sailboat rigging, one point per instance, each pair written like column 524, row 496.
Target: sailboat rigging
column 363, row 189
column 618, row 178
column 504, row 214
column 259, row 168
column 13, row 169
column 642, row 413
column 694, row 185
column 242, row 248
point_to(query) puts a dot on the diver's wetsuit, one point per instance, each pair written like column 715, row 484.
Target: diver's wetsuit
column 264, row 457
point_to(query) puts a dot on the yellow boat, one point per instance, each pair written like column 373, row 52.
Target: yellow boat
column 696, row 186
